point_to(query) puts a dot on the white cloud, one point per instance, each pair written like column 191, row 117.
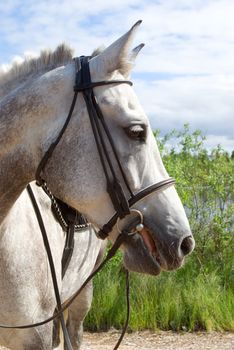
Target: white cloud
column 205, row 102
column 192, row 41
column 202, row 99
column 213, row 141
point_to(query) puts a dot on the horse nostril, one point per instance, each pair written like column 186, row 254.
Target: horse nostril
column 187, row 245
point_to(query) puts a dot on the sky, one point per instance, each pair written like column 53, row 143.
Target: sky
column 185, row 72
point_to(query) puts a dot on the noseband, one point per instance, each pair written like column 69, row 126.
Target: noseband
column 122, row 201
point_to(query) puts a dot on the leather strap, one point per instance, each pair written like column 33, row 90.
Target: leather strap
column 106, row 229
column 50, row 150
column 51, row 263
column 103, row 136
column 68, row 248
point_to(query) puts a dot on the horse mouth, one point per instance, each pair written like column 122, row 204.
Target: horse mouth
column 151, row 259
column 151, row 245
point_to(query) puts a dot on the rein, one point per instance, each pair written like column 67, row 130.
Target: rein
column 60, row 309
column 51, row 263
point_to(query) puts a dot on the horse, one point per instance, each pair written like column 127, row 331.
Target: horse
column 101, row 159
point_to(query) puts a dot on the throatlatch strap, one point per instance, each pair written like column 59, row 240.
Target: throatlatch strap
column 50, row 150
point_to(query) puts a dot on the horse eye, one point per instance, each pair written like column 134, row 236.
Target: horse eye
column 136, row 132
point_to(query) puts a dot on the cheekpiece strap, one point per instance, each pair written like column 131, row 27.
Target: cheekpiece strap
column 101, row 133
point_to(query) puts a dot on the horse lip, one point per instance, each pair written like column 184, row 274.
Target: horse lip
column 151, row 245
column 152, row 250
column 156, row 255
column 131, row 230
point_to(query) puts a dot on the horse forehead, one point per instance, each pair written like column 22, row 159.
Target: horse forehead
column 117, row 92
column 122, row 100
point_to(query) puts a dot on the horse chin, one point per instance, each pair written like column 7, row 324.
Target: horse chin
column 138, row 258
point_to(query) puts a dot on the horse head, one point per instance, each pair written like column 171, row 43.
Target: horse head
column 76, row 172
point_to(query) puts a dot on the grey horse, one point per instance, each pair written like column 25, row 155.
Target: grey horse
column 35, row 99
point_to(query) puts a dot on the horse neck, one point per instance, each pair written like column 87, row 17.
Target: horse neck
column 30, row 117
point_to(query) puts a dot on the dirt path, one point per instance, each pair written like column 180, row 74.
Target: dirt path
column 159, row 341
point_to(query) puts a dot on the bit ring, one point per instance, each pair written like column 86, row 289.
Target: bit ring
column 131, row 211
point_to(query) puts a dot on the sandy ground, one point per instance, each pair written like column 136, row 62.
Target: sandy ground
column 159, row 341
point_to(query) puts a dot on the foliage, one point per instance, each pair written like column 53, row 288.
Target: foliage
column 201, row 294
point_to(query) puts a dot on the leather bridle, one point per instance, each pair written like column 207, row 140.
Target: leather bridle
column 116, row 187
column 122, row 201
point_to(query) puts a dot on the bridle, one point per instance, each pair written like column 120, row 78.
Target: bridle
column 122, row 201
column 116, row 187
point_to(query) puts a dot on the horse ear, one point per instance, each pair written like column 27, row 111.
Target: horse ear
column 116, row 56
column 135, row 52
column 126, row 69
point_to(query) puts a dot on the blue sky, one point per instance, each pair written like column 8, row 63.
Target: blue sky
column 184, row 74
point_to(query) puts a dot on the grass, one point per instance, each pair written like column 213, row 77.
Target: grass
column 188, row 299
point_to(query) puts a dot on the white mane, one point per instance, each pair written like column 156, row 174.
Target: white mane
column 47, row 60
